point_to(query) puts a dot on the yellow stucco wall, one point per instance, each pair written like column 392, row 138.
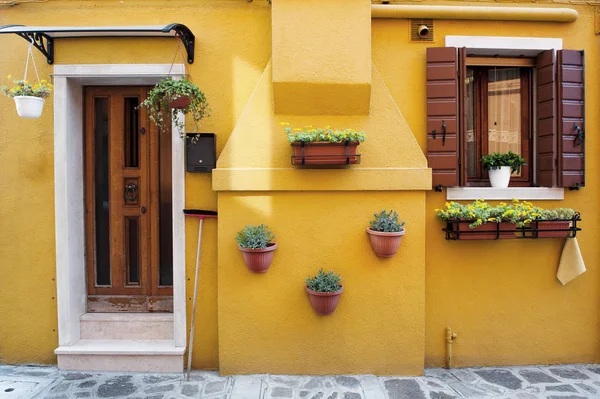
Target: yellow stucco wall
column 502, row 298
column 232, row 49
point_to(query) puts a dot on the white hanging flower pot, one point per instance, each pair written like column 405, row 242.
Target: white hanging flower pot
column 499, row 178
column 29, row 106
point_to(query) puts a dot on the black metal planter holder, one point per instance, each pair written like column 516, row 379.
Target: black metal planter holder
column 531, row 231
column 301, row 159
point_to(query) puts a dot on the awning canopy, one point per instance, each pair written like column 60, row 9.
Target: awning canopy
column 43, row 36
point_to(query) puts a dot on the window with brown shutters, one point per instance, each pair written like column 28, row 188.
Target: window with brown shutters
column 442, row 115
column 571, row 119
column 470, row 98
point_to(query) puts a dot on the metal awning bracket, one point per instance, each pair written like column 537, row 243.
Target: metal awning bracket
column 43, row 37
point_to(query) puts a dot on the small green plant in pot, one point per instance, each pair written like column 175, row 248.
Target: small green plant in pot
column 257, row 247
column 170, row 96
column 500, row 166
column 385, row 233
column 324, row 291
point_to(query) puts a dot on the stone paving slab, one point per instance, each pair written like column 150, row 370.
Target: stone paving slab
column 574, row 381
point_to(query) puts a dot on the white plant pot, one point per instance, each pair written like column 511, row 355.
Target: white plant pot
column 29, row 106
column 499, row 178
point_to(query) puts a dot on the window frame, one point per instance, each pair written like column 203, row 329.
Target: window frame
column 481, row 66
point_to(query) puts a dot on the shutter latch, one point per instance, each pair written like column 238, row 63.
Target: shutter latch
column 579, row 136
column 443, row 133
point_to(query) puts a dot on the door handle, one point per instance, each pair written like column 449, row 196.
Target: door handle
column 130, row 192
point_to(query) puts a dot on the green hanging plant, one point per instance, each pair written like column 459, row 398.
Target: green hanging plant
column 169, row 89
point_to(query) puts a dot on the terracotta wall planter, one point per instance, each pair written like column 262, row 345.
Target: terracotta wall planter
column 324, row 303
column 487, row 227
column 385, row 244
column 553, row 225
column 259, row 260
column 325, row 153
column 180, row 102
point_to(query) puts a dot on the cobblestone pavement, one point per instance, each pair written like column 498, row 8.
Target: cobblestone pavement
column 552, row 382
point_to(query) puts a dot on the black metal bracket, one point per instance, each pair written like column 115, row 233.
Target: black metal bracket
column 453, row 232
column 187, row 39
column 575, row 187
column 438, row 188
column 42, row 42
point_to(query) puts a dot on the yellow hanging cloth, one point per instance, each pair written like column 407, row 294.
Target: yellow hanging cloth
column 571, row 263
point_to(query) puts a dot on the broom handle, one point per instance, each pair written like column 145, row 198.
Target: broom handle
column 189, row 365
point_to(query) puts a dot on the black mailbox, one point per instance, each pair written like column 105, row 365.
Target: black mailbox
column 201, row 152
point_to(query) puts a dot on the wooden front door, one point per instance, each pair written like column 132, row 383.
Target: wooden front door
column 128, row 204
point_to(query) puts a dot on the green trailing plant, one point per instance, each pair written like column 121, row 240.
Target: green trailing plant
column 496, row 160
column 254, row 237
column 387, row 222
column 169, row 89
column 327, row 134
column 324, row 281
column 42, row 89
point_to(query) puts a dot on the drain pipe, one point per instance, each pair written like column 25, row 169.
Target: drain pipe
column 450, row 337
column 489, row 13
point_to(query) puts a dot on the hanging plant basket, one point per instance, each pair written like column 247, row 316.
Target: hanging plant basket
column 29, row 106
column 325, row 153
column 180, row 103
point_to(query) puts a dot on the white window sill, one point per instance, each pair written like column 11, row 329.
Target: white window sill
column 489, row 193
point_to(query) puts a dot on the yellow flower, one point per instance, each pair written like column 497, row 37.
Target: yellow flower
column 479, row 221
column 281, row 123
column 491, row 219
column 297, row 129
column 43, row 81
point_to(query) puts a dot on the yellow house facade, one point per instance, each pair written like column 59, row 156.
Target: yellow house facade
column 353, row 64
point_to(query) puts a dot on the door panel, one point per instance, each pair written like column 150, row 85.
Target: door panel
column 123, row 202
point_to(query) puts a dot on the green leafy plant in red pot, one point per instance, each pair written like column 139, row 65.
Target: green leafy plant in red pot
column 324, row 291
column 385, row 233
column 257, row 247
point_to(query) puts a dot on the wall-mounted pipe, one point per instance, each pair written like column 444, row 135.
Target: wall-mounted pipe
column 538, row 14
column 450, row 337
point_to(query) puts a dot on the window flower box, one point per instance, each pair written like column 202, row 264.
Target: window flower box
column 544, row 225
column 488, row 231
column 325, row 153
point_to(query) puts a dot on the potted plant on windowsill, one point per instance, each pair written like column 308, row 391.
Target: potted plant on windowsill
column 257, row 247
column 500, row 166
column 324, row 146
column 324, row 291
column 385, row 233
column 554, row 219
column 170, row 95
column 29, row 99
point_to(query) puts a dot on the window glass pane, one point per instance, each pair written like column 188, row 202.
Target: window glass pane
column 471, row 139
column 131, row 139
column 101, row 184
column 166, row 206
column 504, row 110
column 132, row 250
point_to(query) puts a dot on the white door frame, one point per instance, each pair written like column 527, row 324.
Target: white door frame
column 69, row 189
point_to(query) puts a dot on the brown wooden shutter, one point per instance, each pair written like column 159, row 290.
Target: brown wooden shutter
column 571, row 119
column 546, row 120
column 442, row 115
